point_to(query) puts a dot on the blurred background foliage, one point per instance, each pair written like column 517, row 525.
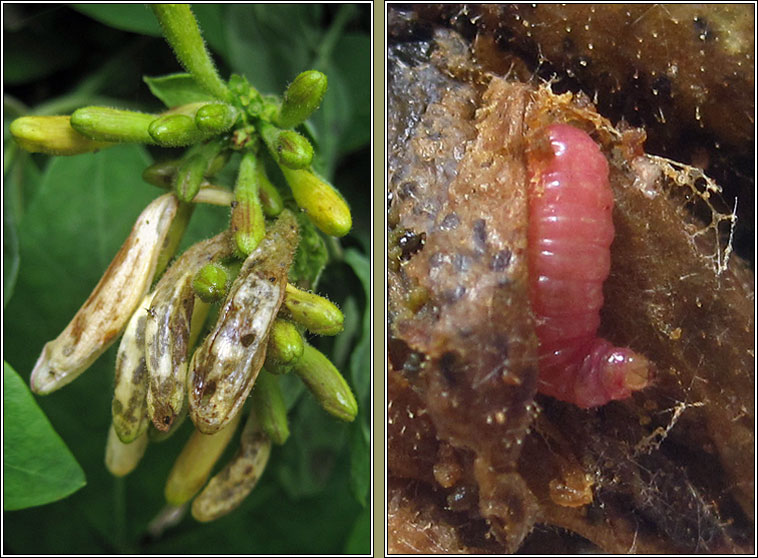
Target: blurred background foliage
column 65, row 218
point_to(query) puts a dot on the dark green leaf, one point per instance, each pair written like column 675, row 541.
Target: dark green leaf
column 137, row 18
column 176, row 89
column 360, row 458
column 38, row 467
column 359, row 540
column 360, row 367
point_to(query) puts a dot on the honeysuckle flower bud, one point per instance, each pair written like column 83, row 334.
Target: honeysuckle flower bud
column 189, row 176
column 227, row 489
column 317, row 314
column 215, row 117
column 109, row 124
column 194, row 167
column 183, row 34
column 326, row 384
column 176, row 130
column 106, row 312
column 161, row 174
column 129, row 406
column 168, row 327
column 194, row 464
column 225, row 366
column 301, row 98
column 324, row 205
column 247, row 223
column 287, row 147
column 271, row 199
column 120, row 458
column 211, row 283
column 269, row 408
column 285, row 346
column 52, row 135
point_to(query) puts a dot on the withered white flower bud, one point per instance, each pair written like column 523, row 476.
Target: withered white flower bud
column 106, row 312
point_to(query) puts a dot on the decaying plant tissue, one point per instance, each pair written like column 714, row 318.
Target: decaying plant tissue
column 479, row 461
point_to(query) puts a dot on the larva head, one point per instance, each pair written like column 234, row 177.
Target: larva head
column 624, row 372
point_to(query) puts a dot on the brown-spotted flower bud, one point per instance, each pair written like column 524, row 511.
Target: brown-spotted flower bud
column 225, row 366
column 122, row 458
column 301, row 98
column 129, row 406
column 317, row 314
column 194, row 464
column 52, row 135
column 247, row 223
column 109, row 124
column 211, row 283
column 106, row 312
column 326, row 384
column 325, row 206
column 168, row 327
column 269, row 408
column 227, row 489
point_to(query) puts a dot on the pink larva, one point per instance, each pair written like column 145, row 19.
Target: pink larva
column 570, row 234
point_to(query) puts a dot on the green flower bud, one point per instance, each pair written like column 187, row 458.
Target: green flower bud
column 317, row 314
column 271, row 199
column 326, row 384
column 285, row 346
column 215, row 117
column 294, row 150
column 324, row 205
column 161, row 174
column 52, row 135
column 211, row 283
column 194, row 464
column 247, row 223
column 108, row 124
column 287, row 147
column 183, row 34
column 270, row 409
column 175, row 130
column 301, row 98
column 189, row 176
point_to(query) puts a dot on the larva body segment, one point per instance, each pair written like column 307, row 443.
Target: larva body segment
column 570, row 233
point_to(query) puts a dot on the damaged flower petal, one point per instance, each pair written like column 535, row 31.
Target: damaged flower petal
column 236, row 480
column 104, row 315
column 168, row 327
column 225, row 366
column 129, row 407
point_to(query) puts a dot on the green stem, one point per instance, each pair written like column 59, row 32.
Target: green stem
column 329, row 42
column 119, row 515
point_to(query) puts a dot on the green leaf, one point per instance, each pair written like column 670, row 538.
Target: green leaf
column 136, row 18
column 176, row 89
column 38, row 467
column 360, row 367
column 360, row 459
column 359, row 540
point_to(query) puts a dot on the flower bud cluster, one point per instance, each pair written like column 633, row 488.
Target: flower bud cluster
column 170, row 364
